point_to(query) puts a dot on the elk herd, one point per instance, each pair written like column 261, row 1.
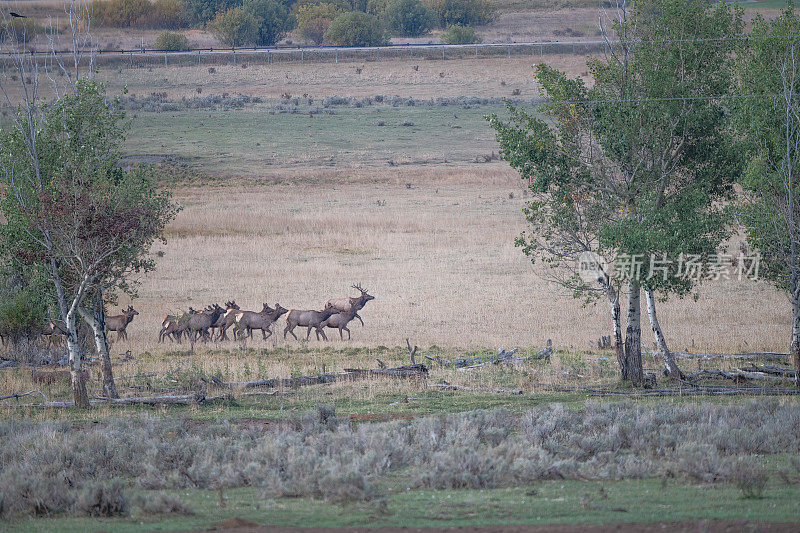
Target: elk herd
column 214, row 322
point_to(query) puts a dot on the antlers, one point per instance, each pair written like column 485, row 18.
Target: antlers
column 357, row 287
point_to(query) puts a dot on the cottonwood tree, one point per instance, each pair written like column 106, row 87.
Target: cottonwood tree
column 655, row 150
column 67, row 203
column 768, row 118
column 75, row 210
column 557, row 154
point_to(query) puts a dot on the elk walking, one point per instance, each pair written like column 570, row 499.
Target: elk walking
column 249, row 320
column 310, row 319
column 199, row 323
column 340, row 320
column 346, row 304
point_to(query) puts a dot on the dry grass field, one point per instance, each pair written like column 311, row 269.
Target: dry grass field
column 438, row 256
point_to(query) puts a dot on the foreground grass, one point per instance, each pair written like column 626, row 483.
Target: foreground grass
column 550, row 502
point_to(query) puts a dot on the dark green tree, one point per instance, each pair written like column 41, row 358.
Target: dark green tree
column 273, row 20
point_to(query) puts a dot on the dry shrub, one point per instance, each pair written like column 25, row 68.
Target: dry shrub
column 750, row 479
column 103, row 499
column 164, row 504
column 320, row 455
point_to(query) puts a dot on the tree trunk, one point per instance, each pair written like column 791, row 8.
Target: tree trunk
column 79, row 394
column 794, row 347
column 97, row 322
column 669, row 361
column 616, row 320
column 633, row 335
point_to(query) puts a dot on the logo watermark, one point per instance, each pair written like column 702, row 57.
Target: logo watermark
column 693, row 267
column 591, row 267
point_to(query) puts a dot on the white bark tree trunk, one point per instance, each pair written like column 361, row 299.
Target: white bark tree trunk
column 97, row 323
column 79, row 394
column 633, row 335
column 661, row 341
column 616, row 321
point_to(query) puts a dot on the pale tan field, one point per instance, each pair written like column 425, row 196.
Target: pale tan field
column 439, row 258
column 450, row 78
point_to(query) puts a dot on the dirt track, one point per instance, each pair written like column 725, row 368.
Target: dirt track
column 238, row 525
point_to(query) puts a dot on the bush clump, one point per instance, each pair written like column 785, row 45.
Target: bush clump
column 464, row 12
column 314, row 20
column 103, row 499
column 237, row 26
column 159, row 14
column 356, row 28
column 458, row 34
column 410, row 18
column 172, row 42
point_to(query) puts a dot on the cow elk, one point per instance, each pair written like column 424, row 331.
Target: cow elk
column 199, row 323
column 310, row 319
column 346, row 304
column 119, row 323
column 249, row 320
column 51, row 330
column 230, row 309
column 340, row 320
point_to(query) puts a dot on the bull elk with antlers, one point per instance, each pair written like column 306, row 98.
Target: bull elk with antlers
column 346, row 304
column 119, row 323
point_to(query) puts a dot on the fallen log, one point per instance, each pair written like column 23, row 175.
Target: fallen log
column 737, row 375
column 502, row 356
column 771, row 369
column 779, row 357
column 349, row 374
column 701, row 391
column 21, row 395
column 186, row 399
column 450, row 386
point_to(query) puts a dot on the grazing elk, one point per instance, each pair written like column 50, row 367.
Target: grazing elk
column 199, row 323
column 311, row 319
column 346, row 304
column 249, row 320
column 119, row 323
column 340, row 320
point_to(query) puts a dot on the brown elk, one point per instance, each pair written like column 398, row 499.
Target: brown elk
column 230, row 308
column 199, row 323
column 346, row 304
column 50, row 377
column 311, row 319
column 52, row 329
column 175, row 326
column 249, row 320
column 340, row 320
column 119, row 323
column 229, row 318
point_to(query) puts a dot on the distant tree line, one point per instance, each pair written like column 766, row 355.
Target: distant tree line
column 265, row 22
